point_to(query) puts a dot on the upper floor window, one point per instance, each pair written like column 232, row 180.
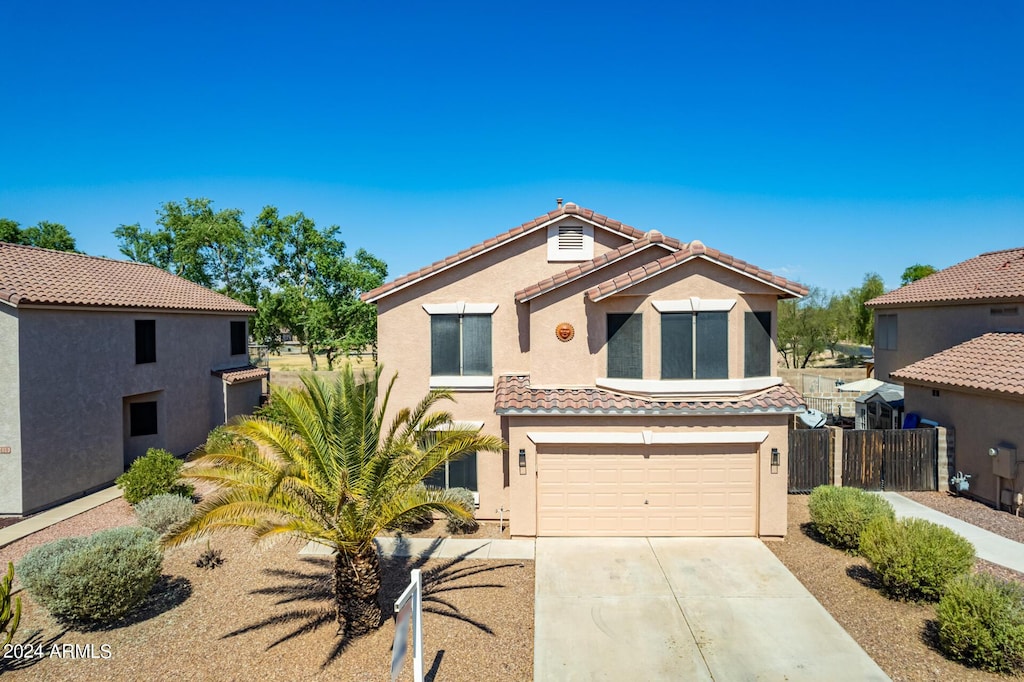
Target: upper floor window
column 460, row 345
column 238, row 339
column 757, row 344
column 885, row 332
column 145, row 341
column 695, row 345
column 625, row 346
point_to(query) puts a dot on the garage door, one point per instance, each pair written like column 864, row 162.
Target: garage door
column 696, row 491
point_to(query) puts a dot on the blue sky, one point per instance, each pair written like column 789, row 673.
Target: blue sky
column 818, row 140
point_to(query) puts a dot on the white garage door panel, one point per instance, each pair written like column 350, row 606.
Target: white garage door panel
column 696, row 493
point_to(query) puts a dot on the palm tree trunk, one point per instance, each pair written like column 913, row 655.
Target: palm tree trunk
column 357, row 584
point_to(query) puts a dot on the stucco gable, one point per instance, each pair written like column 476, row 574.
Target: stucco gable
column 569, row 210
column 696, row 251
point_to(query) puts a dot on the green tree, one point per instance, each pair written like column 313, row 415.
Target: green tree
column 330, row 470
column 864, row 321
column 807, row 327
column 914, row 273
column 44, row 234
column 316, row 287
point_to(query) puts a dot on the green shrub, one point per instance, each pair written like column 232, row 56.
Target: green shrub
column 98, row 578
column 155, row 473
column 981, row 623
column 10, row 608
column 914, row 558
column 273, row 411
column 220, row 440
column 162, row 512
column 457, row 526
column 840, row 515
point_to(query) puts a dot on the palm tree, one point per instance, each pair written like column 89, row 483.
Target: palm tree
column 327, row 470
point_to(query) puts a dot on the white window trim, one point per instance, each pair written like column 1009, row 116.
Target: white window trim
column 688, row 387
column 463, row 383
column 460, row 308
column 695, row 304
column 647, row 437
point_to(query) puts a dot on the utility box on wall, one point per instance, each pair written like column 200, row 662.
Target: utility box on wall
column 1004, row 461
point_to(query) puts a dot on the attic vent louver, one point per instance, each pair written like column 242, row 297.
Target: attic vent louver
column 570, row 238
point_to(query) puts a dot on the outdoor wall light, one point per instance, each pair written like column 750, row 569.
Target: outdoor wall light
column 775, row 460
column 522, row 462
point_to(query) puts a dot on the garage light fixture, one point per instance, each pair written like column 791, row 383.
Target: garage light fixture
column 522, row 462
column 775, row 460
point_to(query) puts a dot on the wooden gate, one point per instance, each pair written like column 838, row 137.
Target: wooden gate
column 891, row 459
column 811, row 454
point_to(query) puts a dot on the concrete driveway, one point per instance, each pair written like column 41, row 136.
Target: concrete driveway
column 682, row 609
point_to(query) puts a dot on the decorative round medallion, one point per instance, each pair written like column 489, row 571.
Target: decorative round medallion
column 565, row 332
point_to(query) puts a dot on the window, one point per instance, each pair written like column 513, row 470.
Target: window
column 238, row 340
column 143, row 419
column 145, row 341
column 460, row 345
column 885, row 332
column 757, row 344
column 458, row 474
column 625, row 346
column 695, row 345
column 1004, row 311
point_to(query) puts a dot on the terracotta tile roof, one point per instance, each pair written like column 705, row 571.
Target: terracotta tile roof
column 991, row 276
column 488, row 244
column 694, row 249
column 651, row 238
column 30, row 275
column 991, row 362
column 239, row 375
column 514, row 395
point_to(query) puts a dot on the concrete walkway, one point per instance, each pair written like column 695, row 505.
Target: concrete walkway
column 987, row 546
column 51, row 516
column 682, row 609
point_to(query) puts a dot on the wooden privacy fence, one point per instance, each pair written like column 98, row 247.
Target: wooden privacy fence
column 876, row 459
column 891, row 459
column 811, row 457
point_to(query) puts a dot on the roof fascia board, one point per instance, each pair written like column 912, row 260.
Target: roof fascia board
column 127, row 309
column 671, row 412
column 598, row 269
column 954, row 388
column 542, row 226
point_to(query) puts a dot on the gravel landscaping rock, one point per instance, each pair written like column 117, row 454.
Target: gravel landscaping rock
column 897, row 635
column 973, row 512
column 266, row 615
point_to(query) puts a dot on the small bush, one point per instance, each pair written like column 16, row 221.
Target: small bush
column 10, row 607
column 457, row 526
column 914, row 558
column 155, row 473
column 210, row 558
column 163, row 512
column 98, row 578
column 273, row 411
column 840, row 515
column 981, row 623
column 221, row 440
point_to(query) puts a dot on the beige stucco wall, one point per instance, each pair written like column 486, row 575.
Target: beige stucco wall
column 10, row 413
column 772, row 488
column 78, row 372
column 981, row 421
column 924, row 331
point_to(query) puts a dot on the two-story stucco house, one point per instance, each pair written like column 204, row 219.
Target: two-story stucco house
column 631, row 374
column 955, row 340
column 102, row 359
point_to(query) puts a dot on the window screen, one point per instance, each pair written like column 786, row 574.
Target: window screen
column 885, row 332
column 625, row 346
column 145, row 341
column 712, row 345
column 757, row 344
column 677, row 346
column 444, row 345
column 458, row 474
column 238, row 340
column 476, row 345
column 143, row 419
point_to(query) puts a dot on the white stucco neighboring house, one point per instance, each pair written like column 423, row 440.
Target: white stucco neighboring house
column 102, row 359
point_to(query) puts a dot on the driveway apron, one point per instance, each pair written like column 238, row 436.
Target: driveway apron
column 682, row 609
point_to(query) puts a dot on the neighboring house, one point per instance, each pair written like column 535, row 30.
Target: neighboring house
column 632, row 375
column 101, row 360
column 955, row 340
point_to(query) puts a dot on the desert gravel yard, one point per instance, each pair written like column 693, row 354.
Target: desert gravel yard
column 897, row 635
column 266, row 615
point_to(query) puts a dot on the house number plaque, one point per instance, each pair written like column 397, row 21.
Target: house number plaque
column 565, row 332
column 5, row 449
